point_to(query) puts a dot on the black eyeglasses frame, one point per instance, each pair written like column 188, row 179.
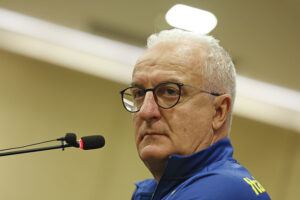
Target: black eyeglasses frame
column 180, row 85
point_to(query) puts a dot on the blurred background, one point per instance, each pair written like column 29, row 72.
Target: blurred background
column 63, row 63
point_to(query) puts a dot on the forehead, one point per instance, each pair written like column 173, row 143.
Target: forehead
column 170, row 61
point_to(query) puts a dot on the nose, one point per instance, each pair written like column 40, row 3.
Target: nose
column 150, row 110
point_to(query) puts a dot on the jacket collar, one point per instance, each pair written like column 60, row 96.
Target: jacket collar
column 185, row 166
column 179, row 168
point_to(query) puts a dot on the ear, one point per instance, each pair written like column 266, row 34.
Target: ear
column 222, row 107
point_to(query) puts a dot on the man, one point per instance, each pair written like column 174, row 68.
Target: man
column 181, row 97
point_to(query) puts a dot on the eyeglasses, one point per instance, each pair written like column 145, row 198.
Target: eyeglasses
column 166, row 95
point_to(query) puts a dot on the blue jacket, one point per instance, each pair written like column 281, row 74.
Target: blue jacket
column 210, row 174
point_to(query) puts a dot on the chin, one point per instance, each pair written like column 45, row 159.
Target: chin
column 153, row 152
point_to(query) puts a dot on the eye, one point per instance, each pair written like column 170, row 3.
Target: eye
column 168, row 90
column 137, row 93
column 171, row 92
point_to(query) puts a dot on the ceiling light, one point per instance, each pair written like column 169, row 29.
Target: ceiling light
column 67, row 47
column 268, row 93
column 191, row 19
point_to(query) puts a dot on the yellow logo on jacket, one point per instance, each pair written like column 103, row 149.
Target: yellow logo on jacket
column 255, row 185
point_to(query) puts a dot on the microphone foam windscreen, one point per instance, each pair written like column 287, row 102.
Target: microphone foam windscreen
column 92, row 142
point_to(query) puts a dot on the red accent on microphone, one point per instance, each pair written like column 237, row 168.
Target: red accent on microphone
column 80, row 144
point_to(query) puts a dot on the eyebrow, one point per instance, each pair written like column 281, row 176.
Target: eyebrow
column 133, row 84
column 176, row 80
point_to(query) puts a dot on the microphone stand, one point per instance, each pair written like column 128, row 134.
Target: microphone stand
column 62, row 146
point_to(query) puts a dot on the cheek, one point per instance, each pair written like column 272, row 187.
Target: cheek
column 136, row 126
column 191, row 122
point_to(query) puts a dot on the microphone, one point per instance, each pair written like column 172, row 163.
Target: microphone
column 91, row 142
column 85, row 143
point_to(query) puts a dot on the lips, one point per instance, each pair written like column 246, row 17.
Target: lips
column 150, row 133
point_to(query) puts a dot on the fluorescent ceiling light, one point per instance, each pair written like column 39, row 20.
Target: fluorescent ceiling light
column 268, row 103
column 268, row 93
column 115, row 60
column 67, row 47
column 191, row 19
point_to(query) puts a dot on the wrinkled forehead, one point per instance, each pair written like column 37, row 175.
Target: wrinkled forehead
column 181, row 58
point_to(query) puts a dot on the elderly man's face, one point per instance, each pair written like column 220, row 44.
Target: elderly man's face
column 185, row 128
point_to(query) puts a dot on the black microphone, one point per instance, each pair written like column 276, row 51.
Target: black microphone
column 85, row 143
column 91, row 142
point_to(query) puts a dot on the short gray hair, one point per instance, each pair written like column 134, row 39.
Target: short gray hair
column 218, row 69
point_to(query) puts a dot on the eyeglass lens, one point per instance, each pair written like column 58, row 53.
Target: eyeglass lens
column 166, row 96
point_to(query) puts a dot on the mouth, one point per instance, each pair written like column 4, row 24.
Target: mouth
column 152, row 134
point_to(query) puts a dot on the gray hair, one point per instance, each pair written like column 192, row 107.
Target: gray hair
column 218, row 69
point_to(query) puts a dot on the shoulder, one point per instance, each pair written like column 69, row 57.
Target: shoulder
column 221, row 186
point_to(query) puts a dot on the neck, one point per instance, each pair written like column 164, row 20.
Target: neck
column 220, row 133
column 156, row 167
